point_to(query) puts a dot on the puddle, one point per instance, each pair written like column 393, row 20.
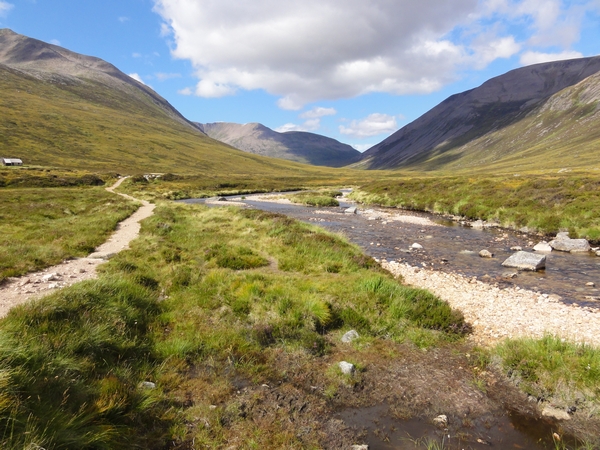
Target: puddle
column 455, row 249
column 382, row 431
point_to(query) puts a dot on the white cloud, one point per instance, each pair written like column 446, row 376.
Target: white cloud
column 289, row 127
column 312, row 120
column 5, row 7
column 362, row 147
column 136, row 55
column 372, row 125
column 55, row 42
column 304, row 51
column 185, row 91
column 530, row 57
column 136, row 77
column 318, row 112
column 123, row 19
column 166, row 76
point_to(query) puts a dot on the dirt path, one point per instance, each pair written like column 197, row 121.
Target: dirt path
column 33, row 285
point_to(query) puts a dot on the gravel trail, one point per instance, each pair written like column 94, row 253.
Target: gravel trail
column 33, row 285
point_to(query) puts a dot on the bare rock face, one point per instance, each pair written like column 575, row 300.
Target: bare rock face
column 526, row 261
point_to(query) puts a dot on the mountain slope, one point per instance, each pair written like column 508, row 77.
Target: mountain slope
column 489, row 125
column 298, row 146
column 62, row 109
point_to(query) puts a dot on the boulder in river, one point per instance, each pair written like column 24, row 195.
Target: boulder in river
column 351, row 210
column 543, row 247
column 526, row 261
column 571, row 245
column 416, row 246
column 486, row 254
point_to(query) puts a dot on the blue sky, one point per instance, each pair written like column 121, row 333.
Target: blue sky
column 354, row 70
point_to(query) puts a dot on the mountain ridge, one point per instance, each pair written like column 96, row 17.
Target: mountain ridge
column 299, row 146
column 463, row 118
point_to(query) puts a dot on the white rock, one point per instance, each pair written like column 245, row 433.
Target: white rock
column 442, row 420
column 359, row 447
column 351, row 210
column 543, row 247
column 148, row 385
column 571, row 245
column 416, row 246
column 347, row 368
column 486, row 254
column 516, row 248
column 50, row 277
column 555, row 413
column 526, row 261
column 350, row 336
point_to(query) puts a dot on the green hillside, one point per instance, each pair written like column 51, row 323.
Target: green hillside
column 90, row 125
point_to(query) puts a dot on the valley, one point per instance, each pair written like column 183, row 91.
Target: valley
column 287, row 326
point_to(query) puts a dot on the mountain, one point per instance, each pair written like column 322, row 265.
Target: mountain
column 544, row 116
column 297, row 146
column 62, row 109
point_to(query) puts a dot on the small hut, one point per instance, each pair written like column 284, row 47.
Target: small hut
column 11, row 162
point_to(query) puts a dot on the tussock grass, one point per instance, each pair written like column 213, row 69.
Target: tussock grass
column 42, row 227
column 316, row 198
column 552, row 368
column 71, row 365
column 545, row 203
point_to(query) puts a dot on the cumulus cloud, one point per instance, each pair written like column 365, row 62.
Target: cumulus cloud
column 5, row 7
column 304, row 51
column 290, row 127
column 312, row 120
column 318, row 112
column 372, row 125
column 531, row 57
column 136, row 77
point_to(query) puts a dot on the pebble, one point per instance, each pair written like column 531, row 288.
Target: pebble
column 346, row 368
column 512, row 312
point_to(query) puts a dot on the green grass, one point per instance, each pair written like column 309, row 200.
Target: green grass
column 42, row 227
column 546, row 203
column 551, row 368
column 316, row 198
column 71, row 364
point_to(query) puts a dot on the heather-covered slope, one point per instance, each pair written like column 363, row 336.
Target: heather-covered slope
column 62, row 109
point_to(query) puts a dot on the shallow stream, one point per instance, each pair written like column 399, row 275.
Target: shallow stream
column 450, row 247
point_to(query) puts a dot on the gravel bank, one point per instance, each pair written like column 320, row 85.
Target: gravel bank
column 501, row 313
